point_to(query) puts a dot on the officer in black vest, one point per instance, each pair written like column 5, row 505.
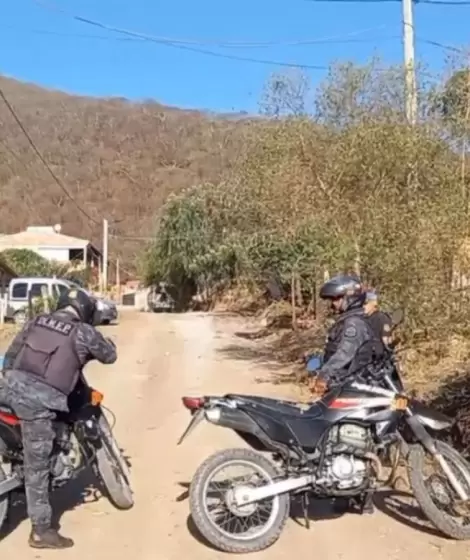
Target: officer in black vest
column 351, row 342
column 41, row 368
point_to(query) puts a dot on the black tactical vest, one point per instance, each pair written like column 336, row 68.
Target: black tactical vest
column 372, row 350
column 49, row 352
column 333, row 338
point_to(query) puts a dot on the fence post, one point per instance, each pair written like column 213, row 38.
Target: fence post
column 45, row 299
column 3, row 305
column 30, row 305
column 293, row 302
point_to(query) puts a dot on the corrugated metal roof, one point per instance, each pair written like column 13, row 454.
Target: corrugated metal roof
column 44, row 239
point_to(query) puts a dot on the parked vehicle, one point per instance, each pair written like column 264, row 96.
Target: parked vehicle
column 83, row 437
column 332, row 448
column 21, row 289
column 159, row 299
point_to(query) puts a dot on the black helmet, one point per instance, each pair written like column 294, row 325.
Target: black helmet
column 83, row 303
column 345, row 286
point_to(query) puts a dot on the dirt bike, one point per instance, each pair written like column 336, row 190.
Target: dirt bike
column 334, row 448
column 83, row 438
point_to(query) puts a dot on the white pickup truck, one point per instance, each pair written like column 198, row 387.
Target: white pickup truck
column 20, row 289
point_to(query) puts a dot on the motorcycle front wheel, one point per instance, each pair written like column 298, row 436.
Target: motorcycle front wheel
column 435, row 495
column 226, row 526
column 112, row 468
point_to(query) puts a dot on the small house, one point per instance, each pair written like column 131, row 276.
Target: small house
column 52, row 245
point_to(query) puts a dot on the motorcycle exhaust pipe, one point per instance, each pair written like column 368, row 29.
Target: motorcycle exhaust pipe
column 245, row 495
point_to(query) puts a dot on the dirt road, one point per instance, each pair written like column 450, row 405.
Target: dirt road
column 162, row 358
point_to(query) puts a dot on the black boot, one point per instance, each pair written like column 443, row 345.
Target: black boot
column 48, row 538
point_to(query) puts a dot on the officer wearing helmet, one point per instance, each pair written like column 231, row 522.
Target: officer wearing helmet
column 41, row 369
column 351, row 342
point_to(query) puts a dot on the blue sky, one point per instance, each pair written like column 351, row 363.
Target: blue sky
column 52, row 49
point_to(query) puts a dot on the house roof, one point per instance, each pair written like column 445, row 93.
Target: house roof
column 44, row 238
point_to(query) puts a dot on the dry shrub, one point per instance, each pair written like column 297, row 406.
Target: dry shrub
column 240, row 298
column 353, row 188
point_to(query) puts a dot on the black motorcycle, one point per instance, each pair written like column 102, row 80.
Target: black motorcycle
column 83, row 438
column 336, row 447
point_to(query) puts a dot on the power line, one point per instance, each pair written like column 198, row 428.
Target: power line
column 334, row 39
column 176, row 45
column 41, row 158
column 441, row 45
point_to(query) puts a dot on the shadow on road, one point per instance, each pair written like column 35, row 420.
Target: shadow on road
column 81, row 490
column 317, row 510
column 395, row 504
column 401, row 507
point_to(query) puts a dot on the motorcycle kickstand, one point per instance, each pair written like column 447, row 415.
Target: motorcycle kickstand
column 305, row 507
column 367, row 502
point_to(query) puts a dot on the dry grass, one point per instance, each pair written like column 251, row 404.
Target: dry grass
column 7, row 332
column 116, row 158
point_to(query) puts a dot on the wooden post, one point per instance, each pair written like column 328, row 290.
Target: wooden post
column 105, row 256
column 118, row 282
column 3, row 305
column 100, row 277
column 292, row 292
column 30, row 306
column 45, row 299
column 3, row 299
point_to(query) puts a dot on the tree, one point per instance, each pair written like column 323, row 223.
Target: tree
column 454, row 101
column 286, row 94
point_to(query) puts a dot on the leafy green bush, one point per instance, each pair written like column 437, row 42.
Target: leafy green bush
column 28, row 263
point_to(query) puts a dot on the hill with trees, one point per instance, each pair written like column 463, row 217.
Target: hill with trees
column 119, row 160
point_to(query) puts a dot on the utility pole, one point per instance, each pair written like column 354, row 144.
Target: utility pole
column 105, row 255
column 118, row 281
column 409, row 52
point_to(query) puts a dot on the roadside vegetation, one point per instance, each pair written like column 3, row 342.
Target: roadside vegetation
column 336, row 180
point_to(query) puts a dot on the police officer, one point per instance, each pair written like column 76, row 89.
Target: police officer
column 351, row 344
column 351, row 341
column 380, row 321
column 41, row 368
